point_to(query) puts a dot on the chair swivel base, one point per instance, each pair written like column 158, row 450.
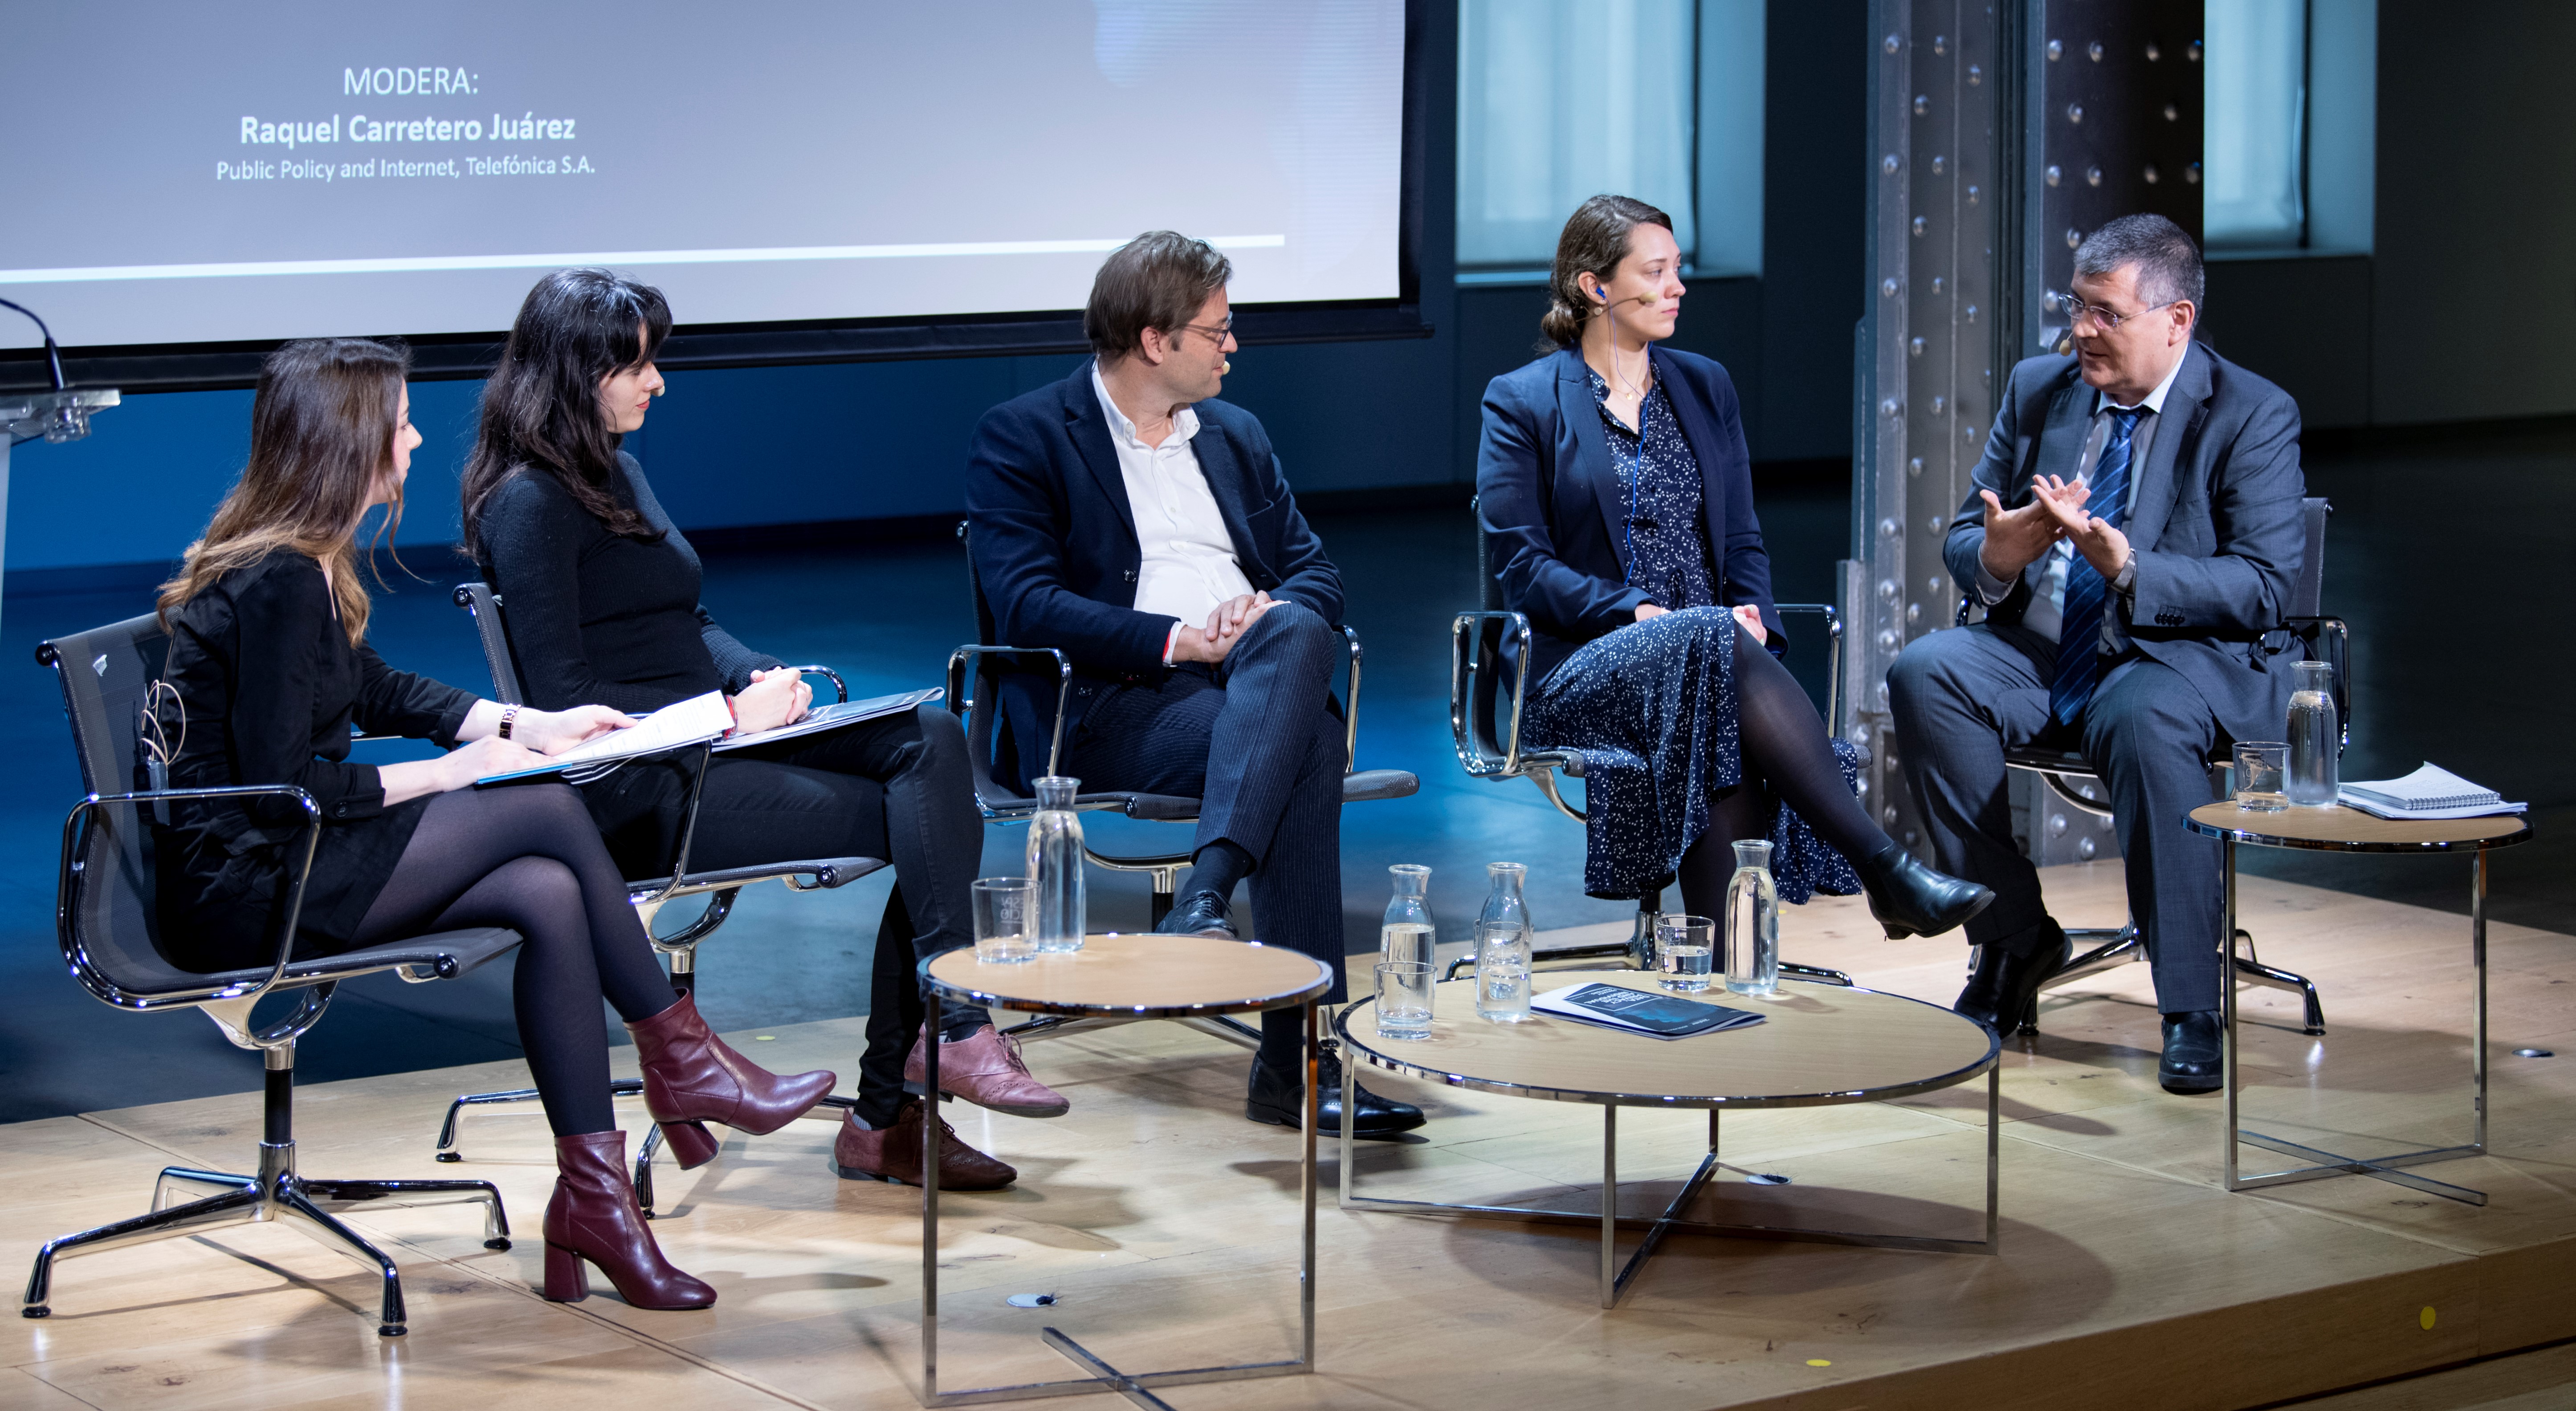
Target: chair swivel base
column 2123, row 945
column 187, row 1201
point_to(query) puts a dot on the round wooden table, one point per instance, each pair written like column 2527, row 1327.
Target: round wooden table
column 2341, row 829
column 1138, row 977
column 1818, row 1045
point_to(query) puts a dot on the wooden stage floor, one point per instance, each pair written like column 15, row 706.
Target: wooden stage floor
column 1167, row 1225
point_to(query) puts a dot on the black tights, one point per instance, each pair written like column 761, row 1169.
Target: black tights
column 1786, row 755
column 527, row 857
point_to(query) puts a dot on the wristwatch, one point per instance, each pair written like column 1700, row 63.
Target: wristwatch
column 509, row 716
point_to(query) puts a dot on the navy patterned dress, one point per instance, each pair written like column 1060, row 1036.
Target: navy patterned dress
column 1651, row 707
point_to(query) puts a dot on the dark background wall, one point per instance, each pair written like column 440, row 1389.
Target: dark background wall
column 2470, row 252
column 2470, row 223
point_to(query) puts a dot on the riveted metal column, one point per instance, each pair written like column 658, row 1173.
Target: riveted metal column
column 1929, row 343
column 2113, row 128
column 1978, row 114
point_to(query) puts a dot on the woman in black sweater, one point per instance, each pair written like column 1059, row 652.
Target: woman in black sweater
column 268, row 661
column 601, row 593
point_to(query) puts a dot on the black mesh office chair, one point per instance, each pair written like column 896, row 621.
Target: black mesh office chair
column 988, row 659
column 650, row 894
column 2071, row 782
column 1485, row 722
column 110, row 934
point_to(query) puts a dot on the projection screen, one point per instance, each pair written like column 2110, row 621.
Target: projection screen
column 240, row 173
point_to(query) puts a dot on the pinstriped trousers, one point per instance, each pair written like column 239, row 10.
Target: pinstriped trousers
column 1255, row 738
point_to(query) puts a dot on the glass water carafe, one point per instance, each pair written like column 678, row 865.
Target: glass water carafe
column 1408, row 934
column 1752, row 923
column 2316, row 738
column 1055, row 865
column 1503, row 938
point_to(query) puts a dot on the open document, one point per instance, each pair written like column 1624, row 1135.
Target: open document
column 696, row 721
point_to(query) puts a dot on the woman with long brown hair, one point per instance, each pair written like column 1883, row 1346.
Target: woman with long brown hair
column 269, row 667
column 1618, row 494
column 602, row 595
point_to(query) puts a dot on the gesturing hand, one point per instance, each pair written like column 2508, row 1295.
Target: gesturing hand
column 551, row 732
column 2068, row 504
column 2015, row 538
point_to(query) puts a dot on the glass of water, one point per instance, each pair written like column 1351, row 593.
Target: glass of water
column 1403, row 999
column 2261, row 767
column 1686, row 952
column 1002, row 917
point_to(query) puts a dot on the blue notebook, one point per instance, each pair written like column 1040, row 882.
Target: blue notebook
column 1641, row 1011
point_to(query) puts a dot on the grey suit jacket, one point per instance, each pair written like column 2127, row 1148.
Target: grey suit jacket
column 2215, row 523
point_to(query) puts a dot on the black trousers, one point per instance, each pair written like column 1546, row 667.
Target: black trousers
column 1255, row 739
column 896, row 788
column 1962, row 697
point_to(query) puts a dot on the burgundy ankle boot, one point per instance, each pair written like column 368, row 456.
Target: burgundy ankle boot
column 594, row 1217
column 691, row 1078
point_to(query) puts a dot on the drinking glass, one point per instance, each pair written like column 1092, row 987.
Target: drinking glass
column 1002, row 907
column 2260, row 767
column 1403, row 999
column 1685, row 951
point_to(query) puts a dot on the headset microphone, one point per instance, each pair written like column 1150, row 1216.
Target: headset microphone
column 1223, row 367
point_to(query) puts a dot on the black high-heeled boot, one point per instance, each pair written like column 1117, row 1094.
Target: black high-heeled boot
column 1910, row 899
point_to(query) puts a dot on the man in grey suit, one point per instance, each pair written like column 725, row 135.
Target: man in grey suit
column 2133, row 536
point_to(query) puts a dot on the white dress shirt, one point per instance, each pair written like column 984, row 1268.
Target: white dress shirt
column 1189, row 567
column 2047, row 575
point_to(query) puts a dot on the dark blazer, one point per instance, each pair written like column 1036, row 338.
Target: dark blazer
column 2216, row 522
column 1054, row 544
column 271, row 687
column 601, row 618
column 1553, row 504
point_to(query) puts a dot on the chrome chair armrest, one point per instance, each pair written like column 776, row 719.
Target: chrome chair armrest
column 69, row 875
column 961, row 701
column 840, row 688
column 1469, row 657
column 1833, row 656
column 1351, row 704
column 2334, row 636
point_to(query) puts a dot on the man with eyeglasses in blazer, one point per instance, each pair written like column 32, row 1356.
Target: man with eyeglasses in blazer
column 1131, row 519
column 2133, row 534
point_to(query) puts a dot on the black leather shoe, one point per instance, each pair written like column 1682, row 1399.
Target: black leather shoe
column 1201, row 913
column 2195, row 1059
column 1910, row 899
column 1277, row 1098
column 2001, row 991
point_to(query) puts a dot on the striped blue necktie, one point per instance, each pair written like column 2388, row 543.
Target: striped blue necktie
column 2079, row 625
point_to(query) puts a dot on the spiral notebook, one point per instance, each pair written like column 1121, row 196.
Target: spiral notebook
column 2430, row 792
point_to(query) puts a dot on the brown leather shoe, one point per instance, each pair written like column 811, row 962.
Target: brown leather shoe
column 893, row 1153
column 985, row 1069
column 691, row 1078
column 593, row 1217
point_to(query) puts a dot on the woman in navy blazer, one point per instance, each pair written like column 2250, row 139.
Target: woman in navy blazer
column 1618, row 498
